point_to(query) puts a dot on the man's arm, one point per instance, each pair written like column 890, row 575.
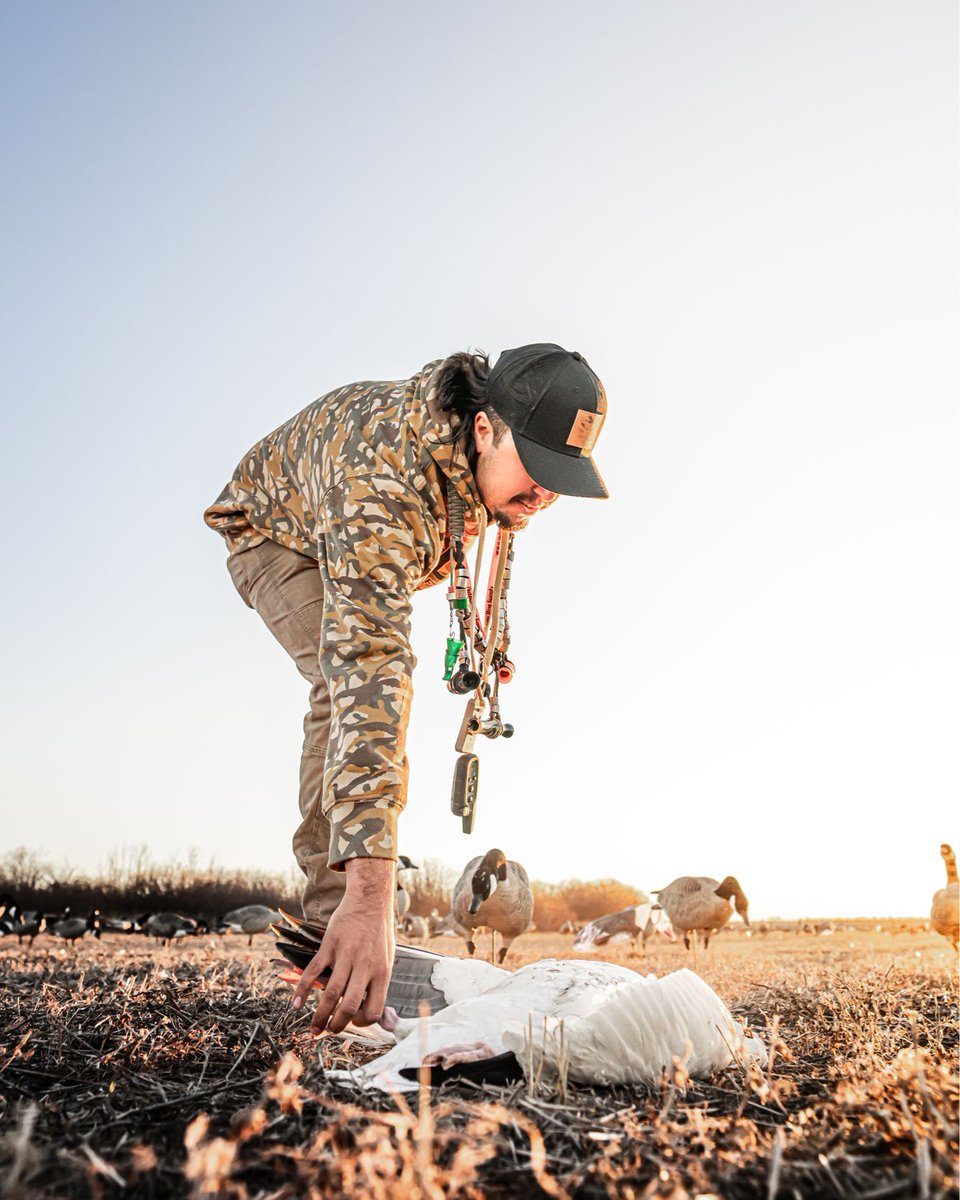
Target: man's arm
column 358, row 948
column 374, row 541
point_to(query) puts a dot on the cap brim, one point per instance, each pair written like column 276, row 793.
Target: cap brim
column 566, row 474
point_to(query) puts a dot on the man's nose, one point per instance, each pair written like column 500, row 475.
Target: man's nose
column 545, row 496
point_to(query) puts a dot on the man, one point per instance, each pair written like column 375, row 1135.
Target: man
column 332, row 522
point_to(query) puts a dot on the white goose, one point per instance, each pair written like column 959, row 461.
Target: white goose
column 617, row 1026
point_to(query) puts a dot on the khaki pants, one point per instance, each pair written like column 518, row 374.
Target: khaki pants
column 286, row 589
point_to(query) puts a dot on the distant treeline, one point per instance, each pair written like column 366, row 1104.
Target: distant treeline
column 131, row 883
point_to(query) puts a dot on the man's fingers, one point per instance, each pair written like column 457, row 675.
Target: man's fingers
column 330, row 997
column 314, row 967
column 349, row 1007
column 372, row 1008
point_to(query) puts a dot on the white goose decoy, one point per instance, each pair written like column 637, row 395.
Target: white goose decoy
column 495, row 893
column 617, row 1026
column 698, row 904
column 251, row 919
column 641, row 920
column 945, row 910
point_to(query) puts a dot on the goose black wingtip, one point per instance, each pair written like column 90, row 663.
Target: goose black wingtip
column 498, row 1071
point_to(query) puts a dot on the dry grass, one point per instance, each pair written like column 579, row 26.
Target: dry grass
column 130, row 1070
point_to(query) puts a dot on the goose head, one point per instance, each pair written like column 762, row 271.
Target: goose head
column 730, row 888
column 404, row 864
column 492, row 868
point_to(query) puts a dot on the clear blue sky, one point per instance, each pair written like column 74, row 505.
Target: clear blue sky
column 744, row 215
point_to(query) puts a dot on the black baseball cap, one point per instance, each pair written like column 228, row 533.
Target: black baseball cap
column 555, row 406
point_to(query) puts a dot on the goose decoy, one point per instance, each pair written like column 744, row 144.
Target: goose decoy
column 945, row 910
column 639, row 921
column 493, row 892
column 72, row 928
column 29, row 926
column 166, row 926
column 251, row 919
column 698, row 904
column 415, row 928
column 403, row 896
column 444, row 926
column 120, row 925
column 617, row 1026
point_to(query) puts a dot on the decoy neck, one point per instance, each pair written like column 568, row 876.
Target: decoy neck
column 731, row 888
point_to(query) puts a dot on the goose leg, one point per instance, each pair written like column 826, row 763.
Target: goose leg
column 493, row 947
column 503, row 949
column 471, row 948
column 695, row 940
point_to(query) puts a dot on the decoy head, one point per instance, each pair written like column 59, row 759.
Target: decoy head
column 731, row 888
column 404, row 864
column 493, row 867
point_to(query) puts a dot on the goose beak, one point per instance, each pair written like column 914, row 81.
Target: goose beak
column 475, row 902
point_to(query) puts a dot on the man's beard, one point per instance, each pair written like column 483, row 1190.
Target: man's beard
column 504, row 521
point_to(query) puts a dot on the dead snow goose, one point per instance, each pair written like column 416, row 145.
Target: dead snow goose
column 698, row 904
column 945, row 910
column 617, row 1026
column 640, row 920
column 493, row 892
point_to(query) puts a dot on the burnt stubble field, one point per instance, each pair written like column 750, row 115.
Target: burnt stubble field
column 127, row 1069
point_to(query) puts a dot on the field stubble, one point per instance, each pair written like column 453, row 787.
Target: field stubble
column 127, row 1069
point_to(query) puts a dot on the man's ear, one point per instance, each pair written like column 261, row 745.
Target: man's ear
column 482, row 431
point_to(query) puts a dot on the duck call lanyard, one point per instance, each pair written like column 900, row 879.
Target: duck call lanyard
column 476, row 661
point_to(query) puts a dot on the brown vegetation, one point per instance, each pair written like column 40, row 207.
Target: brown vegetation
column 131, row 883
column 183, row 1072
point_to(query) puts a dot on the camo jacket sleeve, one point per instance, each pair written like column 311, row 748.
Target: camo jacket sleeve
column 378, row 542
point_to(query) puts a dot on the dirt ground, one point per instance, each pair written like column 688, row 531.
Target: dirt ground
column 131, row 1069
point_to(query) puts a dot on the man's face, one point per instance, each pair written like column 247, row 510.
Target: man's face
column 505, row 487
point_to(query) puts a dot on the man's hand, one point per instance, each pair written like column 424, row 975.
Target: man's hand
column 357, row 947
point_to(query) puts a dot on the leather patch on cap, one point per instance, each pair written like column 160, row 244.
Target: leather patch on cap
column 585, row 431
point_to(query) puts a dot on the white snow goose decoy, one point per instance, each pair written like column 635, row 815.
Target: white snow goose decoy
column 606, row 1023
column 641, row 920
column 493, row 892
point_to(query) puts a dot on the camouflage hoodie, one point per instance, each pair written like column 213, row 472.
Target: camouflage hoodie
column 358, row 481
